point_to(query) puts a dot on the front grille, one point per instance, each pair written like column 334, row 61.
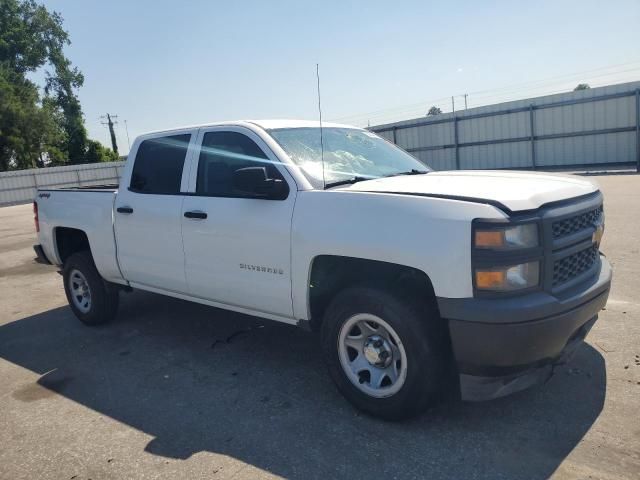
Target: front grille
column 565, row 227
column 573, row 265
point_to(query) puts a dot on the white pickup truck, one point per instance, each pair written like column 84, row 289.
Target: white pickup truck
column 418, row 281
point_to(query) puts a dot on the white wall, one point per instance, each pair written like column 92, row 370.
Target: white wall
column 610, row 125
column 20, row 186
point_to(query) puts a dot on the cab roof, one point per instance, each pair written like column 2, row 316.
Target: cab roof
column 273, row 124
column 265, row 124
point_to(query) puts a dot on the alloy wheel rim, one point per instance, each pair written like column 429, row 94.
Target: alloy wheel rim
column 372, row 355
column 80, row 291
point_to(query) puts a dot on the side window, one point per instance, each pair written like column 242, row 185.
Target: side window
column 222, row 154
column 158, row 165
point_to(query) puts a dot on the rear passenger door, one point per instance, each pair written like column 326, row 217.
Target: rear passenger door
column 148, row 212
column 237, row 252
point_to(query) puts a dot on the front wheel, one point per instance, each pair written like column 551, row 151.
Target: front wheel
column 93, row 300
column 384, row 352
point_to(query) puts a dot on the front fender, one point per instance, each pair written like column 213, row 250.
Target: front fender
column 432, row 235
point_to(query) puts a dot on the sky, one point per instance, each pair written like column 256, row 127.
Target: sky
column 163, row 64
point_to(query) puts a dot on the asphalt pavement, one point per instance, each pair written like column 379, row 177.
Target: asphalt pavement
column 172, row 389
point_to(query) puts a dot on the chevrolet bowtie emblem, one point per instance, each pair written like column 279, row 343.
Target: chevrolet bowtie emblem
column 597, row 235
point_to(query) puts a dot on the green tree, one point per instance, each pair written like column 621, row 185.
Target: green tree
column 582, row 86
column 434, row 111
column 61, row 87
column 29, row 133
column 37, row 131
column 96, row 152
column 54, row 139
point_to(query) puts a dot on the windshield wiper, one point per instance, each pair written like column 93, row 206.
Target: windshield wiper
column 413, row 171
column 356, row 179
column 348, row 181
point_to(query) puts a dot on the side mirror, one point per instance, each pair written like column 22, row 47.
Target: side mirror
column 253, row 181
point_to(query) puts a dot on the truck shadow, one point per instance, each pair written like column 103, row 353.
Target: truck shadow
column 202, row 379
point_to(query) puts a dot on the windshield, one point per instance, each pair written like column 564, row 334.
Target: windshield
column 348, row 153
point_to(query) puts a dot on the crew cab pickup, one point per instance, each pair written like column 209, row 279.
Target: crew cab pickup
column 417, row 281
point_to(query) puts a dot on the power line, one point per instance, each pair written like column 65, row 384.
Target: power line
column 576, row 77
column 385, row 110
column 535, row 85
column 537, row 92
column 549, row 79
column 506, row 96
column 444, row 103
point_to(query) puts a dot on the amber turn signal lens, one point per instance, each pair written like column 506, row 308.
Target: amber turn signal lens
column 508, row 278
column 489, row 238
column 490, row 280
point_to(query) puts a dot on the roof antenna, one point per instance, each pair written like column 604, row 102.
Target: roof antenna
column 321, row 139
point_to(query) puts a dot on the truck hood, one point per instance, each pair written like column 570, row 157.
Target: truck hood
column 514, row 190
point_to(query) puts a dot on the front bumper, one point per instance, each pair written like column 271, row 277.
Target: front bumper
column 503, row 345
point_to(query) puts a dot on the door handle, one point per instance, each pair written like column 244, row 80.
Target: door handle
column 197, row 215
column 124, row 210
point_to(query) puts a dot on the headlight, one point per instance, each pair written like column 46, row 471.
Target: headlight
column 507, row 238
column 508, row 278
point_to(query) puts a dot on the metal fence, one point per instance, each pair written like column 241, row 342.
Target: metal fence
column 598, row 127
column 20, row 186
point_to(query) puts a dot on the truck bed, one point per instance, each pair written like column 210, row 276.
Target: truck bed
column 111, row 187
column 78, row 208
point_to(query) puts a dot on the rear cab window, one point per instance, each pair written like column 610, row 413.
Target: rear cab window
column 158, row 165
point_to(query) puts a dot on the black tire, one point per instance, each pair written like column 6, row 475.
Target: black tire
column 103, row 295
column 421, row 333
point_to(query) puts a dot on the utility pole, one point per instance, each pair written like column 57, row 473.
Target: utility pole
column 465, row 101
column 453, row 105
column 112, row 132
column 126, row 129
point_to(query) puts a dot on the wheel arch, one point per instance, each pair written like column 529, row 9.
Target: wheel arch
column 68, row 241
column 329, row 274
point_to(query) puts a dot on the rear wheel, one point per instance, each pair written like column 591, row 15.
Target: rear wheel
column 93, row 300
column 384, row 351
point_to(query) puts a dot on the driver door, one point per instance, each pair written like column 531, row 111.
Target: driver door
column 237, row 247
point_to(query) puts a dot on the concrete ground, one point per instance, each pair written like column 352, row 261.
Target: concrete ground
column 178, row 390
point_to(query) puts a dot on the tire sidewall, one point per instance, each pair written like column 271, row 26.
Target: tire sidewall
column 102, row 302
column 424, row 364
